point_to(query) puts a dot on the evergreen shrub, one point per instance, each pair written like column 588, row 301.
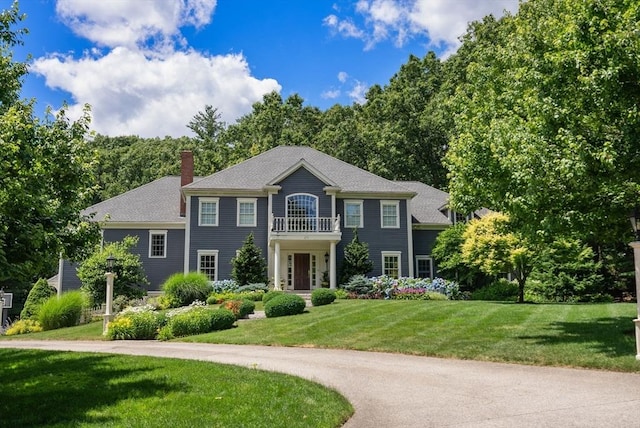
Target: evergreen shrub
column 39, row 293
column 271, row 294
column 283, row 305
column 322, row 296
column 501, row 290
column 240, row 308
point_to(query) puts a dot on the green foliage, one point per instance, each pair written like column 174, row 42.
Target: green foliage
column 130, row 279
column 271, row 294
column 567, row 272
column 341, row 294
column 135, row 324
column 284, row 305
column 216, row 298
column 356, row 259
column 40, row 292
column 248, row 266
column 63, row 311
column 547, row 122
column 200, row 320
column 501, row 290
column 492, row 246
column 322, row 296
column 23, row 326
column 359, row 285
column 447, row 252
column 46, row 175
column 183, row 289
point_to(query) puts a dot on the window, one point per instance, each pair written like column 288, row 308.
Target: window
column 157, row 244
column 208, row 263
column 302, row 212
column 247, row 212
column 389, row 214
column 391, row 264
column 424, row 267
column 208, row 212
column 353, row 214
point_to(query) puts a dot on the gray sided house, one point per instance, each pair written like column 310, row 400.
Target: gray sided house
column 302, row 207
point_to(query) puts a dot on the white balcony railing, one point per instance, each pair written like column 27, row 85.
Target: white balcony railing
column 305, row 224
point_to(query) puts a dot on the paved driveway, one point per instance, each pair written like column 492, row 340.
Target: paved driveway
column 389, row 390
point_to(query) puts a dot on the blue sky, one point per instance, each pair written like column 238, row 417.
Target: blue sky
column 147, row 67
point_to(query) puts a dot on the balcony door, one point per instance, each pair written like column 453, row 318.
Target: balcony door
column 302, row 212
column 302, row 269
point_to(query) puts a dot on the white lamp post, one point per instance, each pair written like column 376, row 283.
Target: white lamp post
column 1, row 310
column 635, row 223
column 110, row 275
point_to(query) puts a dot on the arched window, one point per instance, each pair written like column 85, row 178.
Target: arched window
column 302, row 212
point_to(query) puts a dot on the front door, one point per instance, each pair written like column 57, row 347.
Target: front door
column 301, row 280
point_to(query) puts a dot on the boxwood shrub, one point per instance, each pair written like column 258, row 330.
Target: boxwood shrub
column 322, row 296
column 283, row 305
column 271, row 294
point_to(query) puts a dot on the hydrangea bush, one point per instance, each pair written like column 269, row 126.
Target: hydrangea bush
column 387, row 287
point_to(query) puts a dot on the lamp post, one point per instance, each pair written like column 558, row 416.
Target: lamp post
column 110, row 275
column 1, row 309
column 635, row 223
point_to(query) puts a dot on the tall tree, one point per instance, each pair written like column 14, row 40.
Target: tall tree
column 45, row 177
column 547, row 120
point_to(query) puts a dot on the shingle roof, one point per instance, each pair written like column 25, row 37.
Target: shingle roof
column 157, row 201
column 425, row 206
column 264, row 169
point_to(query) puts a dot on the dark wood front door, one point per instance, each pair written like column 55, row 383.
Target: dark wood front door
column 301, row 280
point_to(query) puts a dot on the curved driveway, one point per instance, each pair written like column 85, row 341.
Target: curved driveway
column 390, row 390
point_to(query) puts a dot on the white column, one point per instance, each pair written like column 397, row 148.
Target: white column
column 109, row 308
column 276, row 267
column 636, row 258
column 60, row 274
column 410, row 240
column 332, row 267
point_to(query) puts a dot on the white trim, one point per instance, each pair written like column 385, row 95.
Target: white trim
column 410, row 239
column 109, row 225
column 395, row 203
column 429, row 259
column 397, row 254
column 210, row 201
column 164, row 249
column 304, row 164
column 359, row 202
column 187, row 234
column 210, row 253
column 254, row 202
column 286, row 203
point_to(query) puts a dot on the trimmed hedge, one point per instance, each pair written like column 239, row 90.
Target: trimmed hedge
column 200, row 320
column 283, row 305
column 271, row 294
column 322, row 296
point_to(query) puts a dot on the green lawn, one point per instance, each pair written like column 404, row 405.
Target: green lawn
column 56, row 389
column 597, row 336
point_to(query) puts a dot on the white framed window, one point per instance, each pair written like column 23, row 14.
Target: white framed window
column 424, row 267
column 302, row 212
column 392, row 263
column 390, row 214
column 157, row 244
column 353, row 214
column 208, row 211
column 208, row 263
column 247, row 212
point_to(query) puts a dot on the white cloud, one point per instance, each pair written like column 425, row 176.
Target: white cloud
column 331, row 94
column 144, row 80
column 358, row 92
column 343, row 76
column 131, row 93
column 441, row 21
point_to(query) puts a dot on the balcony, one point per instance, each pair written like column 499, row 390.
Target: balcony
column 305, row 225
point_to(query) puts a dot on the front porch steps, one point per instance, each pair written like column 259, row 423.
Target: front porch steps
column 305, row 294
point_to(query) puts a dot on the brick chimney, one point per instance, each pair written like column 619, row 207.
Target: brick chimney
column 186, row 176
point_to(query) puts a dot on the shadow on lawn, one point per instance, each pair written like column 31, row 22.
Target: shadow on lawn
column 41, row 388
column 613, row 337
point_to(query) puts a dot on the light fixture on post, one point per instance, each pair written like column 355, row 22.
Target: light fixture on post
column 635, row 220
column 1, row 309
column 109, row 300
column 326, row 259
